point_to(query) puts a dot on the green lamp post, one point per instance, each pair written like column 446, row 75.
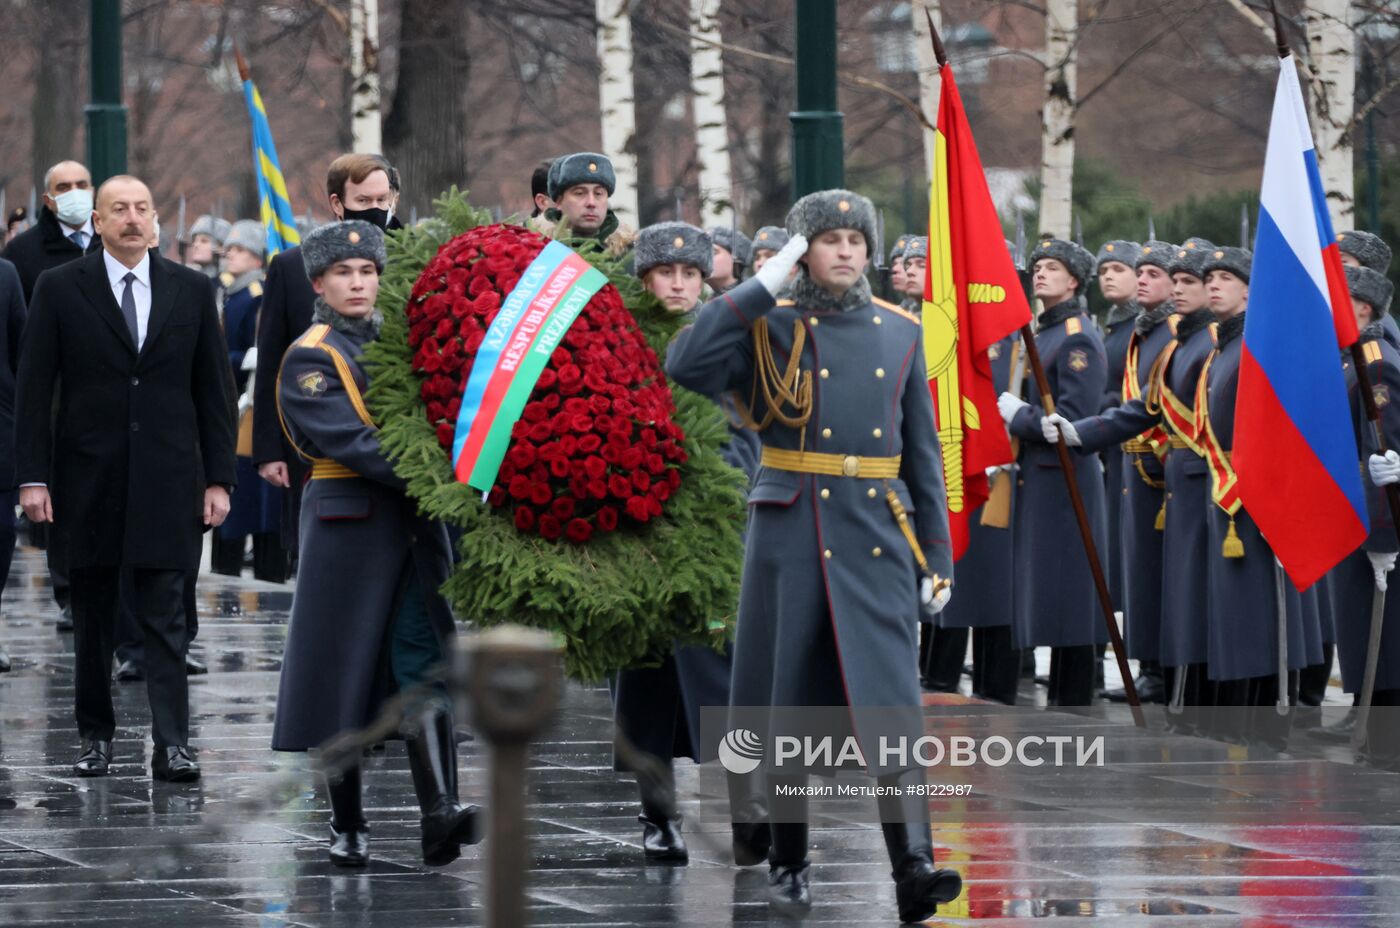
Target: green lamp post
column 817, row 149
column 106, row 114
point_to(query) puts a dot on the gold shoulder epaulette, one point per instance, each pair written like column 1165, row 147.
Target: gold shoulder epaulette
column 226, row 278
column 1073, row 325
column 1173, row 321
column 896, row 308
column 1214, row 333
column 314, row 335
column 255, row 288
column 1372, row 351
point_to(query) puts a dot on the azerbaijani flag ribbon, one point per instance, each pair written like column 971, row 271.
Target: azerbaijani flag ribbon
column 531, row 323
column 972, row 300
column 1295, row 454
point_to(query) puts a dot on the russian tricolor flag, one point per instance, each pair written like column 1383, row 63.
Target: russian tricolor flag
column 1294, row 451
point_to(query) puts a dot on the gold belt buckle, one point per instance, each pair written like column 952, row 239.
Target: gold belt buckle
column 850, row 465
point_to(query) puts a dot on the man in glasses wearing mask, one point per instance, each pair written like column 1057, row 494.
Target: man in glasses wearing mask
column 358, row 186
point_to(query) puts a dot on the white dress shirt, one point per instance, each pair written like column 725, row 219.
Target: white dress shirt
column 140, row 289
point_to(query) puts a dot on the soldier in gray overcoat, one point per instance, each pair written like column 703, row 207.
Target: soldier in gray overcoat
column 367, row 617
column 1056, row 604
column 830, row 601
column 1242, row 576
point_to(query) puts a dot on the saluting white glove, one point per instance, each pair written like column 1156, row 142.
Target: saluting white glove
column 1055, row 425
column 1385, row 470
column 774, row 273
column 934, row 603
column 1008, row 405
column 1382, row 563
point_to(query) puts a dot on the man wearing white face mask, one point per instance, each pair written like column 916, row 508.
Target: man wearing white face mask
column 64, row 228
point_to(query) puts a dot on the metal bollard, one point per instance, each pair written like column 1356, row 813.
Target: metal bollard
column 507, row 681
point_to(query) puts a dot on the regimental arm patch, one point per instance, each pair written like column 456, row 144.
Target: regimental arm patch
column 1078, row 359
column 312, row 383
column 1382, row 394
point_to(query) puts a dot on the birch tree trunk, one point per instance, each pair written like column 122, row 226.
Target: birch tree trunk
column 711, row 116
column 1057, row 117
column 1332, row 48
column 929, row 80
column 617, row 103
column 366, row 134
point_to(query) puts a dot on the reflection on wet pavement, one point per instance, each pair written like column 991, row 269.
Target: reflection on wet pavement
column 245, row 846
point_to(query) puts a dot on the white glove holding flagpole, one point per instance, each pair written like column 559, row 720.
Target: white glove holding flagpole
column 1055, row 425
column 1007, row 404
column 1385, row 470
column 934, row 601
column 774, row 273
column 1382, row 563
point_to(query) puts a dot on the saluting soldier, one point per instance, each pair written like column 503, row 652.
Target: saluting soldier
column 848, row 500
column 987, row 580
column 1057, row 606
column 1363, row 576
column 658, row 708
column 1242, row 605
column 367, row 617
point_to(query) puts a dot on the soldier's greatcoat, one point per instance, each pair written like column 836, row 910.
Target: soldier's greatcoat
column 1141, row 492
column 1056, row 603
column 1115, row 345
column 1243, row 613
column 256, row 506
column 829, row 609
column 369, row 561
column 1352, row 581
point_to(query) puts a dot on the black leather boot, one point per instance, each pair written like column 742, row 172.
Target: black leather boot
column 749, row 816
column 432, row 758
column 789, row 889
column 920, row 887
column 661, row 836
column 349, row 832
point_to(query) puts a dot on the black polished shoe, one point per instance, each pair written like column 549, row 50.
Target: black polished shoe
column 350, row 848
column 195, row 668
column 920, row 888
column 1150, row 689
column 1341, row 730
column 751, row 842
column 788, row 889
column 662, row 841
column 96, row 759
column 65, row 620
column 130, row 672
column 4, row 661
column 174, row 765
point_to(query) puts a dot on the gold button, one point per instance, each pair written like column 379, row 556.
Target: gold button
column 877, row 433
column 825, row 373
column 815, row 321
column 870, row 492
column 826, row 494
column 876, row 552
column 878, row 320
column 827, row 554
column 826, row 433
column 879, row 372
column 1020, row 483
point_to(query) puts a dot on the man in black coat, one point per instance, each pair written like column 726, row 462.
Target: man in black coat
column 62, row 233
column 11, row 326
column 358, row 186
column 139, row 454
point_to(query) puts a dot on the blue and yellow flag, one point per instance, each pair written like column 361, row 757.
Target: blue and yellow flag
column 275, row 206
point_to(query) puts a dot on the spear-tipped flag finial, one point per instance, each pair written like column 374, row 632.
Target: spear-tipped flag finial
column 940, row 54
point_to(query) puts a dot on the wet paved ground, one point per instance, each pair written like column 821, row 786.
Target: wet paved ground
column 245, row 846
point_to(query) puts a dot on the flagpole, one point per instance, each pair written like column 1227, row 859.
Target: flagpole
column 1086, row 534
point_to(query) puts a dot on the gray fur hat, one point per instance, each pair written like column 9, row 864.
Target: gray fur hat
column 1189, row 260
column 1235, row 260
column 1120, row 250
column 248, row 234
column 1196, row 243
column 1156, row 253
column 342, row 241
column 1078, row 261
column 770, row 238
column 1370, row 287
column 833, row 209
column 897, row 251
column 673, row 243
column 916, row 246
column 217, row 229
column 1371, row 250
column 734, row 242
column 584, row 167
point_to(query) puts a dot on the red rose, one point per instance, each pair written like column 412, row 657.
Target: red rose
column 550, row 528
column 520, row 486
column 524, row 518
column 594, row 466
column 636, row 508
column 578, row 531
column 562, row 508
column 641, row 480
column 619, row 486
column 559, row 467
column 534, row 412
column 607, row 519
column 521, row 455
column 632, row 458
column 445, row 432
column 597, row 489
column 540, row 493
column 497, row 497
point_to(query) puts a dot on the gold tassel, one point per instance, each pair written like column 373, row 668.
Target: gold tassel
column 1161, row 523
column 1232, row 547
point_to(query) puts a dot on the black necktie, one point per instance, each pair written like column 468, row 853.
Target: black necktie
column 129, row 308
